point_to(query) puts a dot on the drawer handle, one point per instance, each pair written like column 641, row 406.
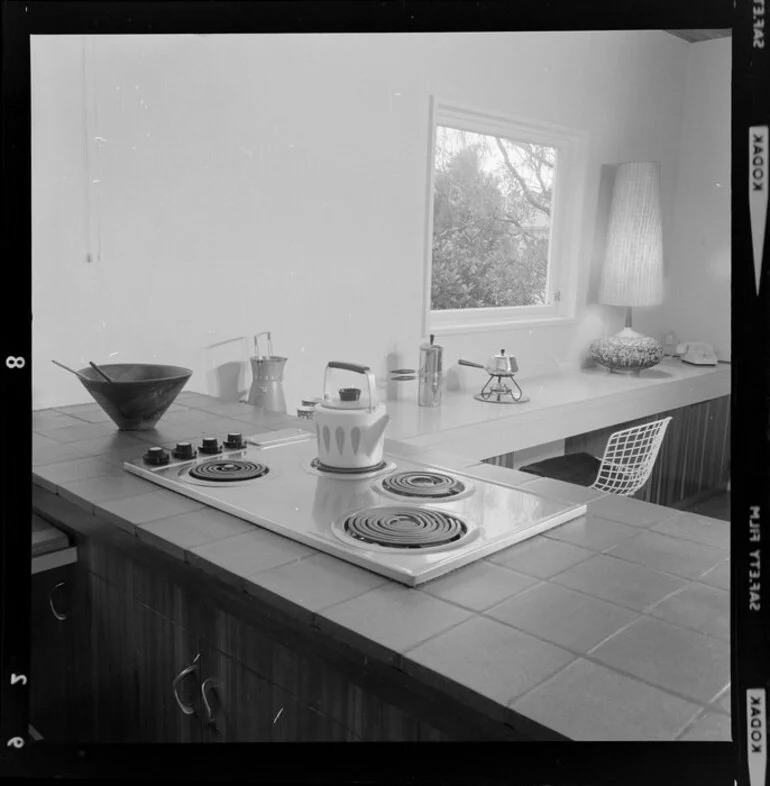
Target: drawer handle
column 214, row 684
column 187, row 709
column 60, row 617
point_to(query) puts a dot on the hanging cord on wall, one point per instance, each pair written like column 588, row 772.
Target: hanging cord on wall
column 92, row 167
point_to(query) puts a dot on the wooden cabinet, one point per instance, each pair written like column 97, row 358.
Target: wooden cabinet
column 179, row 656
column 146, row 677
column 243, row 705
column 238, row 703
column 168, row 678
column 114, row 674
column 246, row 676
column 51, row 653
column 60, row 695
column 304, row 690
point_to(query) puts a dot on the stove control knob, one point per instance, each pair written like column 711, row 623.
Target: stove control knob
column 184, row 450
column 156, row 457
column 234, row 441
column 210, row 445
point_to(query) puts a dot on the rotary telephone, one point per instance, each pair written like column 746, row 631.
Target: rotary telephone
column 697, row 353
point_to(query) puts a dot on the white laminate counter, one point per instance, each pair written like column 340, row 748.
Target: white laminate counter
column 561, row 405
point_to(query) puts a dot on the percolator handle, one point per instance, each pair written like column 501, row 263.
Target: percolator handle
column 357, row 369
column 269, row 344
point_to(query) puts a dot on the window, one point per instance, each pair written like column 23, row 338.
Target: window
column 503, row 221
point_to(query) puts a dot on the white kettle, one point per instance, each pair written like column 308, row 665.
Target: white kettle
column 351, row 432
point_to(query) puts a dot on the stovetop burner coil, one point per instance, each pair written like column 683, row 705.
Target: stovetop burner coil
column 436, row 485
column 317, row 464
column 228, row 470
column 404, row 527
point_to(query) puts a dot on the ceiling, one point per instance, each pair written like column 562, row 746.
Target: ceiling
column 701, row 35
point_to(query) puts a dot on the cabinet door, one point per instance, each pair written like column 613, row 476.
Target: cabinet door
column 51, row 654
column 114, row 673
column 240, row 705
column 146, row 674
column 168, row 678
column 80, row 690
column 237, row 703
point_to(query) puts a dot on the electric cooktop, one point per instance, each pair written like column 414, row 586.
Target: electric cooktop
column 408, row 521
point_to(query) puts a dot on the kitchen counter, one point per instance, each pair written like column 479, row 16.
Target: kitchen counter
column 614, row 626
column 561, row 405
column 50, row 547
column 46, row 538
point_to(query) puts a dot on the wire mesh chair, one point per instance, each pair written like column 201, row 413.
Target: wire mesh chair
column 624, row 468
column 629, row 458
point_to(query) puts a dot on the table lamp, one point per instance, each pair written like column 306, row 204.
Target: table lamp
column 632, row 274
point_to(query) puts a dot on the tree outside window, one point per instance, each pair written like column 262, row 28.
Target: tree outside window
column 492, row 204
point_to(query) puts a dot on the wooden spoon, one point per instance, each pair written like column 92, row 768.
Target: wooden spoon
column 99, row 371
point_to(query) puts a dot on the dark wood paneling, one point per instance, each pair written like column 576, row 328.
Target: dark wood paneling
column 162, row 650
column 61, row 699
column 367, row 701
column 243, row 706
column 81, row 696
column 114, row 677
column 694, row 459
column 148, row 609
column 239, row 701
column 51, row 654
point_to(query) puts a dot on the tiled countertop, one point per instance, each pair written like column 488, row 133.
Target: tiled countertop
column 614, row 626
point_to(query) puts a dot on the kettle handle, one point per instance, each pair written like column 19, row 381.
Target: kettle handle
column 348, row 366
column 358, row 369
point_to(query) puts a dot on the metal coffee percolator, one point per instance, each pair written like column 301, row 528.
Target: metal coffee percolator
column 430, row 374
column 267, row 386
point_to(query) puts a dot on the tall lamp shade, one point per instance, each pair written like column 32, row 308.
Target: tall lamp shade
column 632, row 271
column 632, row 274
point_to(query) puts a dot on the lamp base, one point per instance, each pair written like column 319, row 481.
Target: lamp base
column 627, row 351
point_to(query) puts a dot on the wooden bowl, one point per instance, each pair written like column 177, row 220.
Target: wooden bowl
column 139, row 394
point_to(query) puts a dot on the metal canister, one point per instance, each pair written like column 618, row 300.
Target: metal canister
column 430, row 374
column 267, row 384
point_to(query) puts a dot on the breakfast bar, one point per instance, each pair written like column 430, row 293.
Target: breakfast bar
column 560, row 405
column 202, row 627
column 576, row 410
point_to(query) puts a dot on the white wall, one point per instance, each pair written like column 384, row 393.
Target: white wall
column 698, row 307
column 250, row 183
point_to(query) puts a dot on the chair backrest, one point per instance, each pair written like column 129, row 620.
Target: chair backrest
column 629, row 458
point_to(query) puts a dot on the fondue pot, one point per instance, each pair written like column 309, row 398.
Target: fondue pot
column 351, row 432
column 501, row 365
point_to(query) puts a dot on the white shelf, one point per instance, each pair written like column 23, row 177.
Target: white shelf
column 561, row 405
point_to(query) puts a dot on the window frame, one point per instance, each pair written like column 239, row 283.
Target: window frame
column 566, row 220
